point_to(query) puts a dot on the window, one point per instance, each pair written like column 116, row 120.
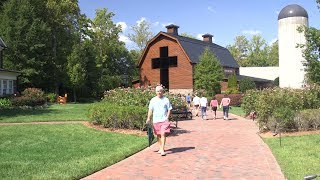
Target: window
column 10, row 90
column 14, row 86
column 4, row 87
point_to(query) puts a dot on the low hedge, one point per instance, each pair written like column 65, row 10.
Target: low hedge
column 235, row 99
column 111, row 115
column 271, row 103
column 5, row 103
column 308, row 119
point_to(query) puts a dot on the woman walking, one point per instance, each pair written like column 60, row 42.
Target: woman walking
column 214, row 105
column 225, row 104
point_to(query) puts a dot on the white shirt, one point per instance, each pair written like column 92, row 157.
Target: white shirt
column 203, row 102
column 160, row 108
column 196, row 100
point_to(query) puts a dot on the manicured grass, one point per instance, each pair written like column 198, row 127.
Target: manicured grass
column 237, row 111
column 55, row 112
column 65, row 151
column 298, row 156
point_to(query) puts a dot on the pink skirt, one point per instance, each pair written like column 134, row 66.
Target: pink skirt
column 161, row 127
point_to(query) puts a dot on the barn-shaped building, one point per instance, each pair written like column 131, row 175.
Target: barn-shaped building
column 169, row 59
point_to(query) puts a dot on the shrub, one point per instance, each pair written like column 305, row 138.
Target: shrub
column 246, row 84
column 137, row 97
column 51, row 97
column 235, row 99
column 5, row 103
column 33, row 92
column 126, row 107
column 111, row 115
column 308, row 119
column 30, row 97
column 248, row 101
column 232, row 82
column 283, row 118
column 265, row 101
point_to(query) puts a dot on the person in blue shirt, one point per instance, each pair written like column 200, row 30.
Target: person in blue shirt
column 160, row 109
column 188, row 99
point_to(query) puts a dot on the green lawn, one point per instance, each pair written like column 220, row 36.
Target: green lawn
column 55, row 112
column 237, row 111
column 66, row 151
column 298, row 156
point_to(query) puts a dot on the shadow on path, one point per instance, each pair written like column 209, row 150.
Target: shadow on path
column 179, row 149
column 177, row 131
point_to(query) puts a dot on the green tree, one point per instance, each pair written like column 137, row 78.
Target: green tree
column 62, row 16
column 239, row 49
column 208, row 73
column 113, row 60
column 246, row 84
column 232, row 84
column 257, row 52
column 77, row 66
column 135, row 56
column 187, row 35
column 311, row 52
column 25, row 31
column 141, row 34
column 273, row 54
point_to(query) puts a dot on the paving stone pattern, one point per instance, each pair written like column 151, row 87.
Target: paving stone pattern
column 202, row 149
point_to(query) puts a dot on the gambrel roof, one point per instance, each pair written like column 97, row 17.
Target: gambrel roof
column 194, row 48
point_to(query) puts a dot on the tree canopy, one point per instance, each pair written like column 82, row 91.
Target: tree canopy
column 254, row 52
column 208, row 73
column 60, row 50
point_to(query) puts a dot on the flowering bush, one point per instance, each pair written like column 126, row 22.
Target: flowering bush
column 30, row 97
column 265, row 102
column 137, row 97
column 126, row 107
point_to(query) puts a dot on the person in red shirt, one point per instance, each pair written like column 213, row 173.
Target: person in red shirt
column 214, row 105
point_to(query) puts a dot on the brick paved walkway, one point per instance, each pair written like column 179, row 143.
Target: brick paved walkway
column 211, row 149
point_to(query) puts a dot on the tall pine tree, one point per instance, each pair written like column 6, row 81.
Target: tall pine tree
column 208, row 73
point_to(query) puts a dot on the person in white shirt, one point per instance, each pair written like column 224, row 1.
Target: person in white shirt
column 196, row 104
column 203, row 104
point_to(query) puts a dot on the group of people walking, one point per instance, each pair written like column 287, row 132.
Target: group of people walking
column 160, row 110
column 202, row 104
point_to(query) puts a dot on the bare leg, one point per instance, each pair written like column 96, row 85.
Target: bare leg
column 163, row 142
column 159, row 142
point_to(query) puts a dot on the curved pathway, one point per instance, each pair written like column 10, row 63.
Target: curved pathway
column 198, row 149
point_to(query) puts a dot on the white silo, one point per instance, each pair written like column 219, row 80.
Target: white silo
column 292, row 73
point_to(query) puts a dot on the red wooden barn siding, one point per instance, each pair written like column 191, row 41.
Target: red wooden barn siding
column 180, row 77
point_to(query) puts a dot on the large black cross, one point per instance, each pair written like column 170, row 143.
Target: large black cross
column 164, row 62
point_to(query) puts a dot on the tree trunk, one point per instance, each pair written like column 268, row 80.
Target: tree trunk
column 54, row 53
column 74, row 94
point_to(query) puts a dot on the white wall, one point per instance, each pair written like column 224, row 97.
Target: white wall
column 291, row 69
column 269, row 73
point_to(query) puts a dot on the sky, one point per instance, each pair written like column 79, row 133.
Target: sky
column 224, row 19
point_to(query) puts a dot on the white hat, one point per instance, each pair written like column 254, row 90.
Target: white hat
column 159, row 88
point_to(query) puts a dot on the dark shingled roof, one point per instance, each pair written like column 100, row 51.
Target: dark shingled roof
column 194, row 48
column 292, row 10
column 241, row 77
